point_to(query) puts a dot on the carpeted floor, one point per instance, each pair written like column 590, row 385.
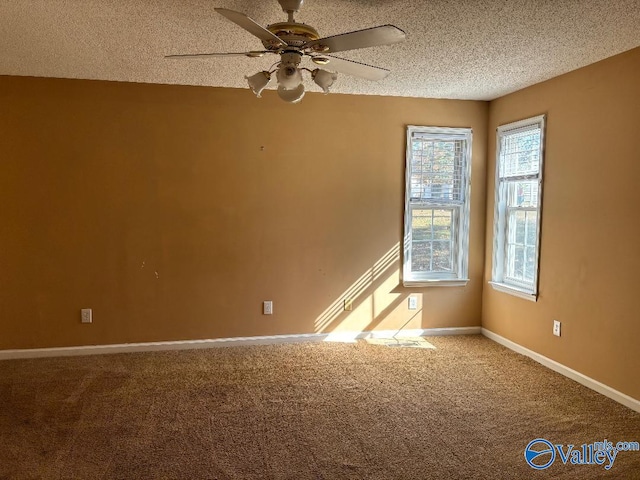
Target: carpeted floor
column 464, row 410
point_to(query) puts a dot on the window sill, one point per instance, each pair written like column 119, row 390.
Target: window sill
column 511, row 290
column 436, row 283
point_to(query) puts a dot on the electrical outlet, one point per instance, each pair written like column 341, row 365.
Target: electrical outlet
column 86, row 315
column 348, row 304
column 556, row 328
column 413, row 303
column 267, row 307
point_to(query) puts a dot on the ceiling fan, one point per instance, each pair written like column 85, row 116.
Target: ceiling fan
column 293, row 41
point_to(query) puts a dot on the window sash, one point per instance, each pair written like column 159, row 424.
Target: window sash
column 429, row 242
column 512, row 245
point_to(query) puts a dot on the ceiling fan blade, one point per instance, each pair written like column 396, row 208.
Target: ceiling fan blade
column 230, row 54
column 357, row 69
column 250, row 25
column 370, row 37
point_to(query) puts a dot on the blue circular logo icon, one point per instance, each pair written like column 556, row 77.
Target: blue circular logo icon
column 536, row 453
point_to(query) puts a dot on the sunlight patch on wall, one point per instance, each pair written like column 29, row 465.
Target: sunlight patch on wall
column 378, row 301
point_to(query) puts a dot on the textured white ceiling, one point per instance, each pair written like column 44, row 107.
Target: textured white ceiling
column 465, row 49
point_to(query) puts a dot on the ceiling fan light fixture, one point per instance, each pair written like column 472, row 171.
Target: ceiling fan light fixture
column 291, row 95
column 324, row 79
column 258, row 82
column 293, row 40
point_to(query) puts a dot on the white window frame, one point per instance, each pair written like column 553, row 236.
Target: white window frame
column 461, row 212
column 499, row 280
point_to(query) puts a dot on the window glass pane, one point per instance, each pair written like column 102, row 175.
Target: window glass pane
column 521, row 245
column 421, row 256
column 517, row 261
column 442, row 220
column 421, row 224
column 530, row 263
column 522, row 194
column 519, row 227
column 531, row 228
column 516, row 227
column 520, row 153
column 431, row 240
column 442, row 257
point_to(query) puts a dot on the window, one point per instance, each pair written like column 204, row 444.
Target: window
column 436, row 225
column 516, row 226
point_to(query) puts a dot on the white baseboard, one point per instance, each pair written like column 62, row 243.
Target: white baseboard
column 228, row 342
column 588, row 382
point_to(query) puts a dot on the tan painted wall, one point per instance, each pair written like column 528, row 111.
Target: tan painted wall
column 590, row 244
column 175, row 211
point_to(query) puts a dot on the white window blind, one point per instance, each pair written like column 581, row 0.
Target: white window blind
column 436, row 168
column 520, row 151
column 437, row 205
column 518, row 203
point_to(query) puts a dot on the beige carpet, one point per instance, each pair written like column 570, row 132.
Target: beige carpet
column 464, row 410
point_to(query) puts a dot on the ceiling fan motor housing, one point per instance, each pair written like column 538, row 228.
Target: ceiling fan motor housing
column 294, row 34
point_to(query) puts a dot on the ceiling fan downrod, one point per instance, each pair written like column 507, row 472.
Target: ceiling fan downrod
column 290, row 7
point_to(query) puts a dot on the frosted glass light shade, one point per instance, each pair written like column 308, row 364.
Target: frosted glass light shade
column 324, row 79
column 291, row 95
column 258, row 82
